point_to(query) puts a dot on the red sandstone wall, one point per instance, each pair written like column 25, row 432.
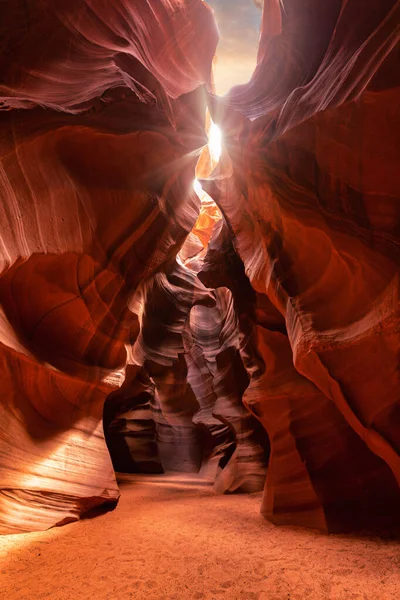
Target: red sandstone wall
column 101, row 126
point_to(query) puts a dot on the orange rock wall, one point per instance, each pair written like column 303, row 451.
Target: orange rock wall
column 292, row 311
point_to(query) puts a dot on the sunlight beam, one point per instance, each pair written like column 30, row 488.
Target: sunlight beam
column 215, row 142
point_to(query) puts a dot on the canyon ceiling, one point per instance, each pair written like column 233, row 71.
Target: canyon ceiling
column 249, row 331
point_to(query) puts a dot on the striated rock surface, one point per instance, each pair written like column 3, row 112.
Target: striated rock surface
column 313, row 208
column 129, row 425
column 96, row 185
column 188, row 347
column 251, row 315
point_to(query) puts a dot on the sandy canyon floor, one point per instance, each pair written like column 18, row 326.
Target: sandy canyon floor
column 171, row 538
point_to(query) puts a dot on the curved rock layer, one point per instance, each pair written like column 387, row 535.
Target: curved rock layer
column 96, row 180
column 119, row 285
column 313, row 209
column 189, row 349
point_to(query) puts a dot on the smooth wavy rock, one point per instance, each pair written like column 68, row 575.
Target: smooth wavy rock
column 96, row 185
column 188, row 347
column 122, row 285
column 65, row 56
column 54, row 462
column 312, row 205
column 129, row 425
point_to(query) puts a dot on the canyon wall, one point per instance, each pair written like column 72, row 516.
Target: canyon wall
column 312, row 204
column 216, row 339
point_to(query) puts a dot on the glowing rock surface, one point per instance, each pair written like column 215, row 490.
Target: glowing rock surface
column 263, row 326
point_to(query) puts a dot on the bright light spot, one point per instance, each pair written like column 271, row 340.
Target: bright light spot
column 197, row 187
column 215, row 141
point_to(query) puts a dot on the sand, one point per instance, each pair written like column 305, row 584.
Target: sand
column 171, row 537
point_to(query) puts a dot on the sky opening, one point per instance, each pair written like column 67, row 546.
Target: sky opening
column 239, row 23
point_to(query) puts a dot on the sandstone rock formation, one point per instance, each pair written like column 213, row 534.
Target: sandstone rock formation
column 217, row 336
column 103, row 117
column 313, row 209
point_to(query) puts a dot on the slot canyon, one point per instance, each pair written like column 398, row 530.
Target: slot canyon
column 199, row 299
